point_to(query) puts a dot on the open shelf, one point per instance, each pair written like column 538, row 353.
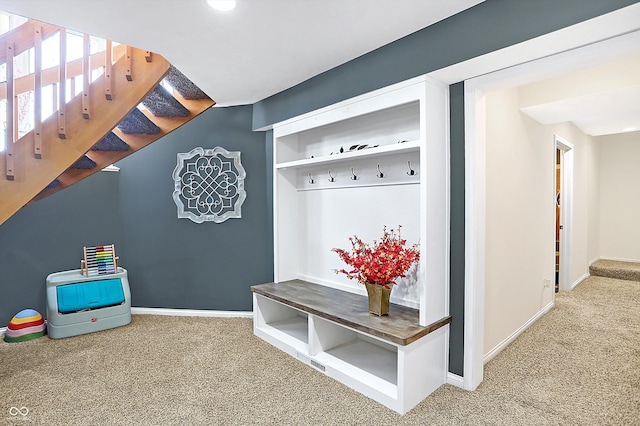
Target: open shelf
column 295, row 327
column 282, row 323
column 376, row 362
column 412, row 146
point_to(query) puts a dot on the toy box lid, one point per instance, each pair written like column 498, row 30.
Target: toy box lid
column 89, row 295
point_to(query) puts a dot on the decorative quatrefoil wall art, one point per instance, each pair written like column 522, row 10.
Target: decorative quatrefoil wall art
column 209, row 185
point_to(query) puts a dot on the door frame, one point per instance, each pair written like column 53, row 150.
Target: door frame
column 566, row 209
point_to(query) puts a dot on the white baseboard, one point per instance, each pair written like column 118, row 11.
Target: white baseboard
column 191, row 313
column 495, row 351
column 620, row 259
column 3, row 329
column 455, row 380
column 579, row 280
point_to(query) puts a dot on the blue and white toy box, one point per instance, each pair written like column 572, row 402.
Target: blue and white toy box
column 77, row 304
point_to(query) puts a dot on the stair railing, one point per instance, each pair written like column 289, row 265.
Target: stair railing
column 62, row 79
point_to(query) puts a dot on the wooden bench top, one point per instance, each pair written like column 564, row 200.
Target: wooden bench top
column 401, row 326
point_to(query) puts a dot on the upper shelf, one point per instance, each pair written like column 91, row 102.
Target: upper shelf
column 351, row 155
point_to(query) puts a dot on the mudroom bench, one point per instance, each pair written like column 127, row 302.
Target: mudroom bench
column 391, row 359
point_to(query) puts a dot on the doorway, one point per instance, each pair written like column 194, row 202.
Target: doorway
column 563, row 189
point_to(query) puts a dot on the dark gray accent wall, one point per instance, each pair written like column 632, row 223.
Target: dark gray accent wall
column 456, row 236
column 171, row 262
column 486, row 27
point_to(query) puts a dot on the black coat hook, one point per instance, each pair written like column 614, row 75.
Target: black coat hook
column 331, row 178
column 411, row 172
column 379, row 174
column 311, row 181
column 353, row 175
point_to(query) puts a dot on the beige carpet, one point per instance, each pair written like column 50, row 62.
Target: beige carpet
column 578, row 365
column 616, row 269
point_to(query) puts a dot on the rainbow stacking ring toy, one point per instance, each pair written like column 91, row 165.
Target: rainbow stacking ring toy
column 26, row 325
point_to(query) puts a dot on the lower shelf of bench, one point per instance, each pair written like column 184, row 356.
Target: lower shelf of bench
column 398, row 375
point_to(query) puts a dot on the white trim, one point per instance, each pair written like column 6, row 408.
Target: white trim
column 495, row 351
column 191, row 313
column 455, row 380
column 2, row 330
column 579, row 280
column 566, row 209
column 474, row 235
column 618, row 259
column 111, row 168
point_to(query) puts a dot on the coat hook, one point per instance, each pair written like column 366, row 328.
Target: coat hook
column 331, row 178
column 353, row 175
column 380, row 174
column 311, row 181
column 411, row 172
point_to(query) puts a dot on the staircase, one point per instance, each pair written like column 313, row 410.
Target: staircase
column 615, row 269
column 137, row 98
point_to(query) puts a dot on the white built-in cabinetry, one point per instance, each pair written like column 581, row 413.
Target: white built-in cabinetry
column 349, row 169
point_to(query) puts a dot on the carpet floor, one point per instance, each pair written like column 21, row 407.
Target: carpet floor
column 578, row 365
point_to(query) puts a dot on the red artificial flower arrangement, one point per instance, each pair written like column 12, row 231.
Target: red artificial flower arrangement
column 382, row 263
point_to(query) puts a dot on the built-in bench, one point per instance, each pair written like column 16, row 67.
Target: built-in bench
column 391, row 359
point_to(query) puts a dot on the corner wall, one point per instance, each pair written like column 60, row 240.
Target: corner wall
column 620, row 203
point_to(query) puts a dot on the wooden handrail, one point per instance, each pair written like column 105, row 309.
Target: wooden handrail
column 51, row 75
column 21, row 37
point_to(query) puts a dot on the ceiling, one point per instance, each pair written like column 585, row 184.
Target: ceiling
column 260, row 48
column 266, row 46
column 600, row 100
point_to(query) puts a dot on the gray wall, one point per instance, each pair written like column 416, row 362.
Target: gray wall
column 171, row 262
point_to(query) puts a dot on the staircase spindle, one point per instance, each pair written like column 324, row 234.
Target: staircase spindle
column 148, row 56
column 62, row 98
column 108, row 64
column 127, row 63
column 86, row 74
column 37, row 93
column 10, row 112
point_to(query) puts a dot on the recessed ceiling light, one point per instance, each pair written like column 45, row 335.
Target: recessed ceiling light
column 629, row 129
column 222, row 5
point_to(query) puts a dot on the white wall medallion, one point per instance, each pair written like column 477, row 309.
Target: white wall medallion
column 209, row 185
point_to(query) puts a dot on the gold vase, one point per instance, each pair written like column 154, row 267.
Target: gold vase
column 378, row 299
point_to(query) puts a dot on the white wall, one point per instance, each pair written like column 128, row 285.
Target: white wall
column 619, row 196
column 520, row 215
